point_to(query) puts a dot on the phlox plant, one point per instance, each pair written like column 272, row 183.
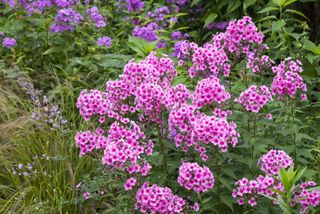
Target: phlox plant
column 173, row 146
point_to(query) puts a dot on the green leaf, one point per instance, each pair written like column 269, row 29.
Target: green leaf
column 299, row 175
column 233, row 6
column 226, row 200
column 276, row 2
column 53, row 50
column 210, row 19
column 288, row 2
column 248, row 3
column 308, row 45
column 229, row 172
column 296, row 12
column 225, row 183
column 284, row 179
column 194, row 2
column 268, row 9
column 277, row 25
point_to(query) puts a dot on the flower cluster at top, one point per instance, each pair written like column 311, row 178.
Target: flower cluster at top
column 192, row 176
column 155, row 199
column 275, row 160
column 254, row 98
column 249, row 191
column 241, row 41
column 287, row 80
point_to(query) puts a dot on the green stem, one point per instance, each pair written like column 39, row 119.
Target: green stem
column 294, row 135
column 201, row 202
column 217, row 172
column 163, row 152
column 254, row 135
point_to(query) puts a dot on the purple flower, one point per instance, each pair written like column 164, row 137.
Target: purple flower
column 9, row 42
column 96, row 17
column 161, row 44
column 65, row 3
column 66, row 19
column 104, row 41
column 134, row 5
column 145, row 32
column 176, row 35
column 217, row 25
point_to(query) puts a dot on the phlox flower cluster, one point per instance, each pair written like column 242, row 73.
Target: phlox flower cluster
column 239, row 34
column 208, row 60
column 176, row 95
column 241, row 40
column 130, row 183
column 287, row 80
column 148, row 98
column 104, row 41
column 210, row 90
column 192, row 176
column 88, row 141
column 248, row 191
column 96, row 17
column 254, row 98
column 94, row 102
column 275, row 160
column 189, row 128
column 176, row 35
column 181, row 122
column 215, row 130
column 157, row 20
column 155, row 199
column 146, row 32
column 183, row 49
column 126, row 147
column 66, row 20
column 134, row 5
column 66, row 3
column 9, row 42
column 179, row 2
column 141, row 86
column 307, row 198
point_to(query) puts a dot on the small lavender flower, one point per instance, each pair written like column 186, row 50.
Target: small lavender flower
column 104, row 41
column 176, row 35
column 9, row 42
column 146, row 32
column 96, row 17
column 218, row 25
column 66, row 20
column 134, row 5
column 161, row 44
